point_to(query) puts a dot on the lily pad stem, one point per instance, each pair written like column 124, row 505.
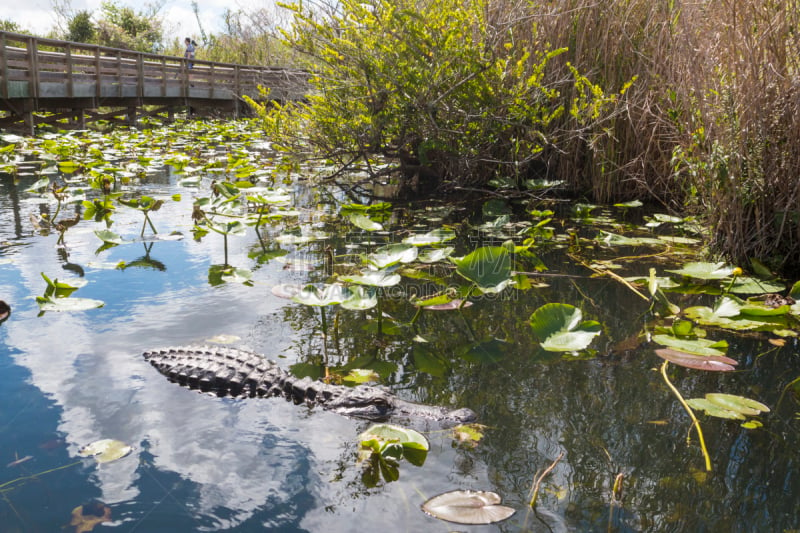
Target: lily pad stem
column 691, row 415
column 538, row 480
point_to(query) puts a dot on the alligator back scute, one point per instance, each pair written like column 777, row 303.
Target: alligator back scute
column 224, row 371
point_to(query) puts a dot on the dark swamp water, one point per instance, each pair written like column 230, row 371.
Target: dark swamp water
column 204, row 463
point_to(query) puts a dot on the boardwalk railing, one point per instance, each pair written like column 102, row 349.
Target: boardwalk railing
column 38, row 74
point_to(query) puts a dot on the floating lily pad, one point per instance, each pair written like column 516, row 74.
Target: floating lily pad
column 693, row 346
column 109, row 236
column 48, row 303
column 364, row 222
column 374, row 278
column 286, row 290
column 394, row 442
column 291, row 238
column 392, row 254
column 361, row 375
column 714, row 363
column 436, row 236
column 435, row 255
column 488, row 267
column 105, row 450
column 743, row 405
column 561, row 328
column 468, row 507
column 612, row 239
column 447, row 306
column 704, row 270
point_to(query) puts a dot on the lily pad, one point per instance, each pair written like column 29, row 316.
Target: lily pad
column 560, row 328
column 743, row 405
column 109, row 236
column 488, row 267
column 48, row 303
column 711, row 409
column 714, row 363
column 392, row 254
column 468, row 507
column 364, row 222
column 704, row 270
column 692, row 346
column 105, row 450
column 374, row 278
column 436, row 236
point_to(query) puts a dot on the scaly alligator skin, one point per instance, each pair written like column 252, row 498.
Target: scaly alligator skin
column 232, row 372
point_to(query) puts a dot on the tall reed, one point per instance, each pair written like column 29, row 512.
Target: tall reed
column 712, row 123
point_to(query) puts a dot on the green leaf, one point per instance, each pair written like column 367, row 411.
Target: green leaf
column 740, row 404
column 374, row 278
column 365, row 223
column 67, row 304
column 488, row 267
column 105, row 450
column 392, row 254
column 704, row 270
column 693, row 346
column 559, row 328
column 711, row 409
column 106, row 235
column 436, row 236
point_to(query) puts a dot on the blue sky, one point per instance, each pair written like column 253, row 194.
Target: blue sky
column 180, row 21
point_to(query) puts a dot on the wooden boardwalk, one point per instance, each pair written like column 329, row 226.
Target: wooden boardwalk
column 81, row 82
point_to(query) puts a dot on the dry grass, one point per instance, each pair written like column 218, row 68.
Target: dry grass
column 712, row 122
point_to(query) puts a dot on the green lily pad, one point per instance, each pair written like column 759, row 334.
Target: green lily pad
column 105, row 450
column 374, row 278
column 49, row 303
column 704, row 270
column 436, row 254
column 437, row 236
column 360, row 299
column 560, row 328
column 109, row 236
column 748, row 285
column 328, row 295
column 711, row 409
column 392, row 254
column 488, row 267
column 364, row 222
column 692, row 346
column 612, row 239
column 743, row 405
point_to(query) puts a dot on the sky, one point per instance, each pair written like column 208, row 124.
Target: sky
column 180, row 21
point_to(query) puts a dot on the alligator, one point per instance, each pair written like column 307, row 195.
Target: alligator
column 238, row 373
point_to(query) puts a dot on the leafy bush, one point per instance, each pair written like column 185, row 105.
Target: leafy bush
column 446, row 88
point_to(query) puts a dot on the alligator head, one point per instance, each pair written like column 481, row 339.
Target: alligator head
column 374, row 403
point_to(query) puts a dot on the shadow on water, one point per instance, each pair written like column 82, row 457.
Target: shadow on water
column 205, row 463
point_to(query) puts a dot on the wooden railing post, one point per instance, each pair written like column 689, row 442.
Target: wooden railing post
column 4, row 65
column 140, row 76
column 33, row 61
column 68, row 67
column 98, row 77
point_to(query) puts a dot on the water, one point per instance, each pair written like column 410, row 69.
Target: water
column 205, row 463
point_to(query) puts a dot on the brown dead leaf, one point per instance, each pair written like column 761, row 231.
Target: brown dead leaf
column 85, row 517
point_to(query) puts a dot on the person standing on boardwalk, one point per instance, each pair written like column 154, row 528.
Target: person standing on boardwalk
column 191, row 46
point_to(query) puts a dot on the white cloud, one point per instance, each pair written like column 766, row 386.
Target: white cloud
column 39, row 16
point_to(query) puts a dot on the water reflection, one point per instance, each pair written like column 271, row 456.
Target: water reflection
column 204, row 463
